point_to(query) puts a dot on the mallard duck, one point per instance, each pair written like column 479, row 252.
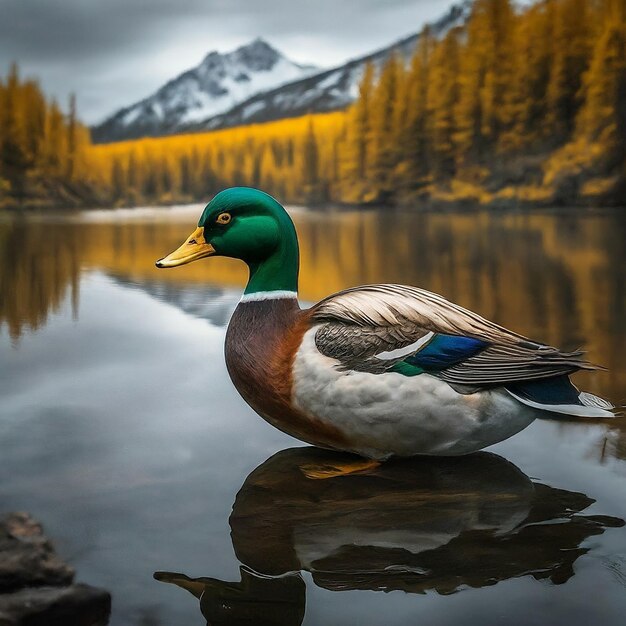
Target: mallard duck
column 379, row 370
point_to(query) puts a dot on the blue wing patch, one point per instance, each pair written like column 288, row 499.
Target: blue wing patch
column 444, row 351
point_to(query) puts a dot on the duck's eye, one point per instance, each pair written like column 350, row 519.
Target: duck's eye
column 223, row 218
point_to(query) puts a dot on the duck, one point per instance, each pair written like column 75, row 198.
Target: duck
column 380, row 370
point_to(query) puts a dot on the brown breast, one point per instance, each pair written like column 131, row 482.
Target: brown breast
column 261, row 342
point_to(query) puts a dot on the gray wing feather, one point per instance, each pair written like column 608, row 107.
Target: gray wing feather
column 499, row 364
column 356, row 347
column 358, row 324
column 393, row 305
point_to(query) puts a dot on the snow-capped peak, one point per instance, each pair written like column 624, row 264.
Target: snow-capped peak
column 256, row 83
column 218, row 83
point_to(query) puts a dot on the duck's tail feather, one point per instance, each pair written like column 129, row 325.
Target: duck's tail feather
column 560, row 395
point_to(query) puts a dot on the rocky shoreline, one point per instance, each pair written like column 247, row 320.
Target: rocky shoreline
column 37, row 587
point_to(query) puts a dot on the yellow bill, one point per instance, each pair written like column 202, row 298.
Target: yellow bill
column 195, row 247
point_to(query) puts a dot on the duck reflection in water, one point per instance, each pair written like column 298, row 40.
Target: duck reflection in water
column 413, row 525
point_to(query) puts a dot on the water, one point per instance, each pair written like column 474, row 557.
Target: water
column 120, row 429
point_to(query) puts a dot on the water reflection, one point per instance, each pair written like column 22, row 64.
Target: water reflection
column 257, row 600
column 557, row 277
column 416, row 525
column 38, row 267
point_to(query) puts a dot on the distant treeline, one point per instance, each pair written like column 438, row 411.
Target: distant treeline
column 520, row 105
column 43, row 152
column 297, row 160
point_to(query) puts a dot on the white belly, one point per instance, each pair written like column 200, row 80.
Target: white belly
column 382, row 415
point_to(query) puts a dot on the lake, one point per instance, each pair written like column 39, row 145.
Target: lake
column 121, row 432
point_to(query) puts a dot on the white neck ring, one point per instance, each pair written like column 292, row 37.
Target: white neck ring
column 268, row 295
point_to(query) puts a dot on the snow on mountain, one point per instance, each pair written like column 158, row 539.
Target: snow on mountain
column 216, row 94
column 328, row 90
column 218, row 84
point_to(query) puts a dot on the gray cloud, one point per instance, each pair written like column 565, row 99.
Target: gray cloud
column 113, row 52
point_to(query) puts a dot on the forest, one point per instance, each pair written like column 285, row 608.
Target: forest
column 523, row 105
column 43, row 151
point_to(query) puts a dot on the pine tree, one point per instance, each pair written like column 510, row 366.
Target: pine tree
column 13, row 157
column 499, row 65
column 484, row 79
column 469, row 113
column 151, row 181
column 356, row 155
column 603, row 117
column 207, row 182
column 310, row 163
column 32, row 105
column 413, row 147
column 72, row 139
column 442, row 100
column 132, row 170
column 572, row 42
column 185, row 174
column 384, row 150
column 118, row 180
column 257, row 159
column 166, row 177
column 54, row 149
column 527, row 89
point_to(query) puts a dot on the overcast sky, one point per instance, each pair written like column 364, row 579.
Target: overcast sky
column 114, row 52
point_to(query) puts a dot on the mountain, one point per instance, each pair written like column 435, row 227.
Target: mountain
column 194, row 103
column 215, row 86
column 328, row 90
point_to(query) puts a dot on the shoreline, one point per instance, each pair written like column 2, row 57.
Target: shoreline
column 419, row 206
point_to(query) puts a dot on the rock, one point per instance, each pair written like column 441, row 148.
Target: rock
column 27, row 556
column 36, row 586
column 76, row 605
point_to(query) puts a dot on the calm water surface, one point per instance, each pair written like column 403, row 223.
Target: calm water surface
column 120, row 430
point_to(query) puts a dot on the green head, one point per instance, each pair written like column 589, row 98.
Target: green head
column 247, row 224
